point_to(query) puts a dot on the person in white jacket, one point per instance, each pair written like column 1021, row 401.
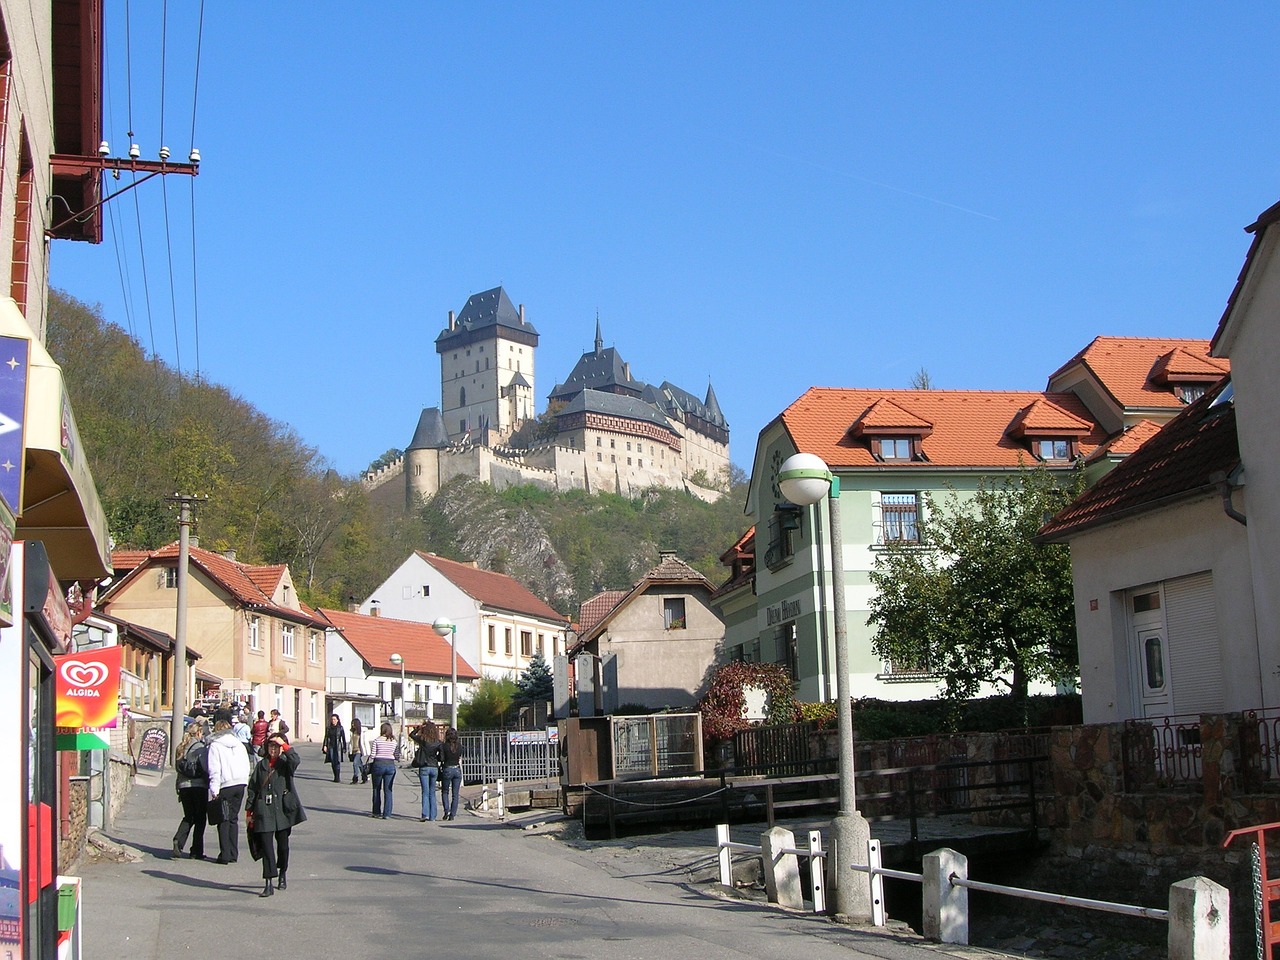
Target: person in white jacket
column 228, row 777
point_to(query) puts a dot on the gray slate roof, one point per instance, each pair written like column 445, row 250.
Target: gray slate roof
column 596, row 401
column 431, row 434
column 598, row 370
column 492, row 308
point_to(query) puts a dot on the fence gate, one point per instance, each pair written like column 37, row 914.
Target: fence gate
column 491, row 755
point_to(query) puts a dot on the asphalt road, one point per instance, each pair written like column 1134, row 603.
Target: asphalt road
column 473, row 888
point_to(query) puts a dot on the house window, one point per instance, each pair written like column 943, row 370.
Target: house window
column 1053, row 449
column 1189, row 392
column 313, row 646
column 599, row 441
column 899, row 513
column 788, row 649
column 783, row 526
column 171, row 578
column 542, row 650
column 673, row 616
column 315, row 707
column 506, row 641
column 493, row 639
column 255, row 634
column 894, row 448
column 526, row 643
column 908, row 669
column 286, row 641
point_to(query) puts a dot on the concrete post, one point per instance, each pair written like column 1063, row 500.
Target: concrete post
column 946, row 907
column 1199, row 920
column 781, row 870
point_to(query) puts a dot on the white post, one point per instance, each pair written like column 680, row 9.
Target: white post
column 725, row 855
column 946, row 906
column 484, row 798
column 1199, row 920
column 781, row 870
column 817, row 871
column 878, row 915
column 502, row 800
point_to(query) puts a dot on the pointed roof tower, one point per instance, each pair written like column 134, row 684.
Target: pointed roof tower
column 430, row 434
column 599, row 339
column 714, row 413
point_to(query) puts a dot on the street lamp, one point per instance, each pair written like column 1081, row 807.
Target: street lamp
column 447, row 628
column 398, row 661
column 804, row 479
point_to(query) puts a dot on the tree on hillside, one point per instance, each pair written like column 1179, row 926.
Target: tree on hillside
column 536, row 684
column 976, row 602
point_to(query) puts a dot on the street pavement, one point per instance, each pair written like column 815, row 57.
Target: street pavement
column 476, row 887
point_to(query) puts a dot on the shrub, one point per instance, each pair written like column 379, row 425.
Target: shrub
column 725, row 701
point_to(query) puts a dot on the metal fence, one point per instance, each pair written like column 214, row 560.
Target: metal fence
column 492, row 755
column 660, row 744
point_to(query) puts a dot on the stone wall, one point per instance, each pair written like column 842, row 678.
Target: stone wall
column 75, row 823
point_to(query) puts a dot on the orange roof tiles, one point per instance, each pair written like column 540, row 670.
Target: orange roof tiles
column 970, row 427
column 1044, row 418
column 1126, row 442
column 596, row 608
column 122, row 561
column 885, row 415
column 1125, row 365
column 425, row 652
column 492, row 589
column 1180, row 461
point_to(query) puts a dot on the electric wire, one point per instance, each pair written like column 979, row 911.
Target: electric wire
column 195, row 273
column 173, row 302
column 146, row 286
column 164, row 48
column 122, row 265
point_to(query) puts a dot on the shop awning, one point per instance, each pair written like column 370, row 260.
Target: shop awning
column 60, row 505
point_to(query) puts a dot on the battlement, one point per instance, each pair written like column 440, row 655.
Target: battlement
column 373, row 480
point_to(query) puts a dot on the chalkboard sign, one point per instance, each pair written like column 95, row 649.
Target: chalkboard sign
column 153, row 750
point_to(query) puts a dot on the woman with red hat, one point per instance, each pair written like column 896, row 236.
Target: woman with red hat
column 274, row 810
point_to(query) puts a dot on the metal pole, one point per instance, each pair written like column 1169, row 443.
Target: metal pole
column 180, row 628
column 850, row 828
column 403, row 708
column 453, row 679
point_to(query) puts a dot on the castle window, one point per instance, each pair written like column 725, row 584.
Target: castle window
column 628, row 444
column 613, row 458
column 639, row 463
column 462, row 397
column 599, row 442
column 599, row 457
column 628, row 461
column 613, row 444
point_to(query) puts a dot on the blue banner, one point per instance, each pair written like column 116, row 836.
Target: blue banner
column 14, row 354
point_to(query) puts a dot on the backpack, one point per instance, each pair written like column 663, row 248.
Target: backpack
column 194, row 764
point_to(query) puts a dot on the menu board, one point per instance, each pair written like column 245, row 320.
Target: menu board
column 153, row 750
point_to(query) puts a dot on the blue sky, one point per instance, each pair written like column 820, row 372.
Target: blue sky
column 767, row 196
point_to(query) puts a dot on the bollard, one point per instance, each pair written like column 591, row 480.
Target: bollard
column 1199, row 920
column 484, row 798
column 946, row 907
column 781, row 870
column 725, row 855
column 502, row 800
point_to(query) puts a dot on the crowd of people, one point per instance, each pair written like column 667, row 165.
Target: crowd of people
column 228, row 762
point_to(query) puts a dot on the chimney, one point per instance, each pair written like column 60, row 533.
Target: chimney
column 473, row 564
column 353, row 607
column 522, row 314
column 453, row 323
column 375, row 609
column 626, row 370
column 229, row 554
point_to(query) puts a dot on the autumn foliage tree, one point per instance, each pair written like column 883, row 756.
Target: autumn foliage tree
column 724, row 705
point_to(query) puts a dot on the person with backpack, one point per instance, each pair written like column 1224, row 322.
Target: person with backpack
column 192, row 768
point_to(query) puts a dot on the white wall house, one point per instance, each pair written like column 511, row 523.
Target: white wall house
column 500, row 623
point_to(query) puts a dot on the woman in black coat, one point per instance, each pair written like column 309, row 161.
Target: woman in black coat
column 274, row 809
column 334, row 746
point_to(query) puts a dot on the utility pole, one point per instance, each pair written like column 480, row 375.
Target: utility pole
column 185, row 520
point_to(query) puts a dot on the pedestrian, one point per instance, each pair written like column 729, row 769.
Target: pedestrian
column 192, row 767
column 243, row 732
column 450, row 773
column 273, row 809
column 427, row 761
column 382, row 753
column 334, row 746
column 228, row 776
column 359, row 752
column 276, row 724
column 259, row 732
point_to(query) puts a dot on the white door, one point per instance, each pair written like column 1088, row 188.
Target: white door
column 1149, row 652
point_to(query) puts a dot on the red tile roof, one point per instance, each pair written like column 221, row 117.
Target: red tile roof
column 1257, row 228
column 122, row 561
column 1177, row 463
column 970, row 427
column 1125, row 366
column 594, row 609
column 669, row 570
column 425, row 652
column 492, row 589
column 267, row 578
column 1127, row 441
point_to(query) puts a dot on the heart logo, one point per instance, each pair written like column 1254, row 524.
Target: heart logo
column 77, row 673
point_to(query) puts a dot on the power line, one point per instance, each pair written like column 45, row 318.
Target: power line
column 173, row 302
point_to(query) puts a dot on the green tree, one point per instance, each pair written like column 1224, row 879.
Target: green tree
column 976, row 602
column 536, row 684
column 488, row 704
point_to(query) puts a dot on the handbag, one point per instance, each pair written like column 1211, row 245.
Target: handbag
column 217, row 811
column 255, row 845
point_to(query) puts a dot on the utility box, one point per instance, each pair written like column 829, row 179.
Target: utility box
column 586, row 745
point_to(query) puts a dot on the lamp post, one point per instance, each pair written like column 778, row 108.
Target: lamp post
column 805, row 479
column 398, row 661
column 447, row 628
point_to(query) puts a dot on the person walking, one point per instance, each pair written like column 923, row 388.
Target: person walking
column 258, row 734
column 228, row 776
column 273, row 810
column 382, row 753
column 450, row 773
column 334, row 746
column 359, row 752
column 243, row 732
column 276, row 724
column 427, row 762
column 192, row 768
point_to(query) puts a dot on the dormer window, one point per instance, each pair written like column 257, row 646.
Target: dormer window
column 894, row 448
column 1189, row 392
column 1054, row 449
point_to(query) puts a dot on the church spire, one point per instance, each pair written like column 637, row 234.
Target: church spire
column 599, row 339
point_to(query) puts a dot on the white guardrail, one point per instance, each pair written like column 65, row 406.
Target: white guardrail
column 1198, row 914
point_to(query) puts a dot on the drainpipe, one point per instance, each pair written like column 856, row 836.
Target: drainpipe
column 1226, row 487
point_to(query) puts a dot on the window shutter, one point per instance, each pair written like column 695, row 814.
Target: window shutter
column 1195, row 654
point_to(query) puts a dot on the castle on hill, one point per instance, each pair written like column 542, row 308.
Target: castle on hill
column 603, row 430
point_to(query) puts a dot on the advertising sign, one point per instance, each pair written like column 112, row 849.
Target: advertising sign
column 153, row 750
column 88, row 688
column 14, row 354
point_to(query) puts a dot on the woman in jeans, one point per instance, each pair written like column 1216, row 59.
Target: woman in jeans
column 359, row 768
column 382, row 754
column 450, row 773
column 427, row 760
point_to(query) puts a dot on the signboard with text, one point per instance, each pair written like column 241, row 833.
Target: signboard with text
column 87, row 686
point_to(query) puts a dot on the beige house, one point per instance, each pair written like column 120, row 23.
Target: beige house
column 653, row 644
column 1174, row 560
column 247, row 622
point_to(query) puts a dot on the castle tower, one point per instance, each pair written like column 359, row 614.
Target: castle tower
column 486, row 369
column 422, row 459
